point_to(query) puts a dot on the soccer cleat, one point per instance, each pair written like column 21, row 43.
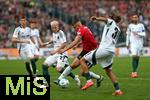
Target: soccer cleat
column 77, row 80
column 57, row 82
column 88, row 84
column 117, row 93
column 133, row 74
column 98, row 81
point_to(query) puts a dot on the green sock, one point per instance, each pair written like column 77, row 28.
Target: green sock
column 87, row 76
column 45, row 70
column 135, row 62
column 33, row 65
column 36, row 59
column 28, row 68
column 116, row 86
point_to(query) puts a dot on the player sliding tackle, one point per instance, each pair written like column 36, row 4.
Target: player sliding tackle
column 104, row 53
column 85, row 36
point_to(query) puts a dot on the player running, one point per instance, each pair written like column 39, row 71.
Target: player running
column 85, row 36
column 104, row 53
column 61, row 60
column 134, row 41
column 22, row 36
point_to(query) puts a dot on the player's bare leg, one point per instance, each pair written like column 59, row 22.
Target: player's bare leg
column 112, row 77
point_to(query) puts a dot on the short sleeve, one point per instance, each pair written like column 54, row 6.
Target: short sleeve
column 16, row 32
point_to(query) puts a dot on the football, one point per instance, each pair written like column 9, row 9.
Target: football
column 64, row 83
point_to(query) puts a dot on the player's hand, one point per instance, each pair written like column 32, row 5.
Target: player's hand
column 135, row 33
column 93, row 18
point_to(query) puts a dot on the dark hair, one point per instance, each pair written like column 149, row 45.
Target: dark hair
column 75, row 20
column 32, row 21
column 22, row 16
column 115, row 15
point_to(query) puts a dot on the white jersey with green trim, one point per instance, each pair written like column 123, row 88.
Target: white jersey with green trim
column 35, row 35
column 22, row 34
column 135, row 39
column 58, row 39
column 110, row 35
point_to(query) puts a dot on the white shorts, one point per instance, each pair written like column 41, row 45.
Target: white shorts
column 136, row 50
column 57, row 59
column 100, row 56
column 35, row 51
column 26, row 54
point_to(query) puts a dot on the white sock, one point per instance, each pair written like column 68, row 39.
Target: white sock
column 65, row 72
column 93, row 75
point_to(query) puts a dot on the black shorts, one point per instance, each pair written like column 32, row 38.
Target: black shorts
column 82, row 53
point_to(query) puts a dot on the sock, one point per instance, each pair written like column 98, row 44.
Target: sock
column 36, row 59
column 87, row 76
column 135, row 62
column 93, row 75
column 28, row 68
column 45, row 70
column 66, row 72
column 116, row 86
column 46, row 73
column 33, row 66
column 71, row 74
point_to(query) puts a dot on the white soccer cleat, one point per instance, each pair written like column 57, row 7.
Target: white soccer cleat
column 77, row 80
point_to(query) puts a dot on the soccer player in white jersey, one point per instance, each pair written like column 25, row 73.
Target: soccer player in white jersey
column 22, row 36
column 37, row 42
column 134, row 42
column 61, row 60
column 104, row 53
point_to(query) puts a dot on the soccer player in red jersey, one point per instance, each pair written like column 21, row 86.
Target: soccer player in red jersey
column 84, row 36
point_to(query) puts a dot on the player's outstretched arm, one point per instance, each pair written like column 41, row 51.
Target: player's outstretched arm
column 16, row 40
column 104, row 19
column 73, row 43
column 59, row 49
column 43, row 44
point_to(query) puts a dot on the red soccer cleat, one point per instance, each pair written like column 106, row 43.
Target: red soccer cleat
column 117, row 93
column 133, row 74
column 87, row 85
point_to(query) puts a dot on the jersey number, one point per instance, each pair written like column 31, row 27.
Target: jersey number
column 114, row 35
column 63, row 58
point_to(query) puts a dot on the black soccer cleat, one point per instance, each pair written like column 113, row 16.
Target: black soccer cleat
column 98, row 81
column 57, row 82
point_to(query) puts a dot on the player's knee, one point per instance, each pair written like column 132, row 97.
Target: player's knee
column 59, row 69
column 82, row 60
column 36, row 56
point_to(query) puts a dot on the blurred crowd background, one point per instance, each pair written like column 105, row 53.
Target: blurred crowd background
column 67, row 10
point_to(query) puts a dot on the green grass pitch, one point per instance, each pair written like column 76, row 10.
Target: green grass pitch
column 134, row 89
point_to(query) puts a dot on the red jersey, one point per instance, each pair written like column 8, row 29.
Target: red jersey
column 88, row 41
